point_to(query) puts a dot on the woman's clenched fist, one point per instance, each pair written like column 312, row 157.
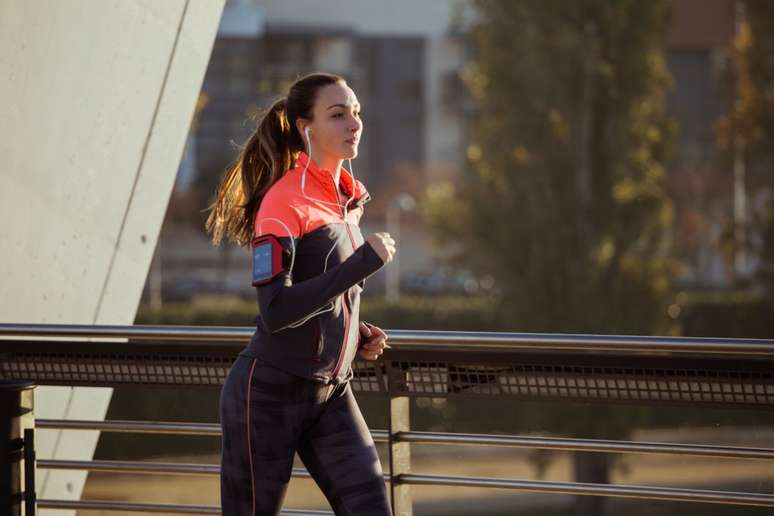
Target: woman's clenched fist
column 383, row 244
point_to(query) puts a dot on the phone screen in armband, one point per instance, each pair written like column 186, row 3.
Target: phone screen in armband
column 267, row 259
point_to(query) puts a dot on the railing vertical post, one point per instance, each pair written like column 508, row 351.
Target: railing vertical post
column 400, row 451
column 400, row 455
column 16, row 417
column 30, row 497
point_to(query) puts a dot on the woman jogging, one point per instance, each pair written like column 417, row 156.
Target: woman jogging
column 290, row 199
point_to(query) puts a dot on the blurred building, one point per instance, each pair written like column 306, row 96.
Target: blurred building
column 699, row 184
column 709, row 200
column 402, row 59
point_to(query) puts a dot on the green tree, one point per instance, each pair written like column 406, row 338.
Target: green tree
column 747, row 130
column 564, row 203
column 751, row 118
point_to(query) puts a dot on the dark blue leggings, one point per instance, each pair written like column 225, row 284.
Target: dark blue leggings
column 267, row 415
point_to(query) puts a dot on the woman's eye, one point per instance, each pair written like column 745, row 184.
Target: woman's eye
column 338, row 115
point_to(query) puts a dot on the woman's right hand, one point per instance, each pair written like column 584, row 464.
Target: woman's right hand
column 383, row 244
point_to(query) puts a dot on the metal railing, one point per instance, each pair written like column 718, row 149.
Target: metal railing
column 545, row 367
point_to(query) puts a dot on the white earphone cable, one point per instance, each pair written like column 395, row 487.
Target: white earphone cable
column 290, row 234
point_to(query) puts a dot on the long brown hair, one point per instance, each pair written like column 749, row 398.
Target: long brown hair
column 269, row 152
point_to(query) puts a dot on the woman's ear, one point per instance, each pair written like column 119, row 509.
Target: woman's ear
column 301, row 124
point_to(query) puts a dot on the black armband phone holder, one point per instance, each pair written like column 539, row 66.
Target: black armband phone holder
column 267, row 259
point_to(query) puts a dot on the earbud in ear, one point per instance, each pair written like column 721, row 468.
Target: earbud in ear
column 307, row 130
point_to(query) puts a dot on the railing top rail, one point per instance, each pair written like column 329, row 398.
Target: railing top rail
column 413, row 339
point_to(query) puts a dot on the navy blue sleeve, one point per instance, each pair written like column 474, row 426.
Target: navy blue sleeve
column 283, row 302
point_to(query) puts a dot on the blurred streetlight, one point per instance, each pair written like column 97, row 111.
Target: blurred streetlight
column 405, row 202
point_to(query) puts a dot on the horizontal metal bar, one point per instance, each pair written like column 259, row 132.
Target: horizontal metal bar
column 593, row 445
column 153, row 468
column 415, row 339
column 155, row 507
column 125, row 466
column 151, row 427
column 127, row 506
column 475, row 341
column 136, row 332
column 514, row 441
column 578, row 488
column 142, row 427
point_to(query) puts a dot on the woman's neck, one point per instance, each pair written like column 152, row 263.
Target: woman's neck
column 329, row 163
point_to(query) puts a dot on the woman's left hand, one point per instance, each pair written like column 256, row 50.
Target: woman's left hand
column 373, row 341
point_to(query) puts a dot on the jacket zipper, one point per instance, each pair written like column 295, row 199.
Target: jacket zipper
column 345, row 308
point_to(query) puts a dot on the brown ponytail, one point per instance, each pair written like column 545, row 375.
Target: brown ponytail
column 269, row 152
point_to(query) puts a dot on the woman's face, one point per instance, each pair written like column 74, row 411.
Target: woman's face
column 336, row 127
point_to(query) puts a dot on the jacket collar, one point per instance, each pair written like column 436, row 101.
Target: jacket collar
column 324, row 178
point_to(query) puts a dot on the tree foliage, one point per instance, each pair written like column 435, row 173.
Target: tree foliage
column 564, row 204
column 748, row 128
column 751, row 118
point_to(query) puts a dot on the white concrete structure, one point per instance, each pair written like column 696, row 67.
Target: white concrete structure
column 97, row 97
